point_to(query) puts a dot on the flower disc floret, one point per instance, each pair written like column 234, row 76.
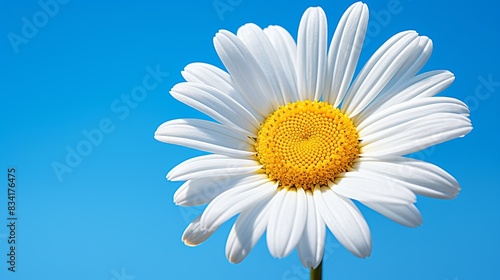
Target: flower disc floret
column 306, row 143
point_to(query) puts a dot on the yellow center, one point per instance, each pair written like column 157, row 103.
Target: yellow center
column 306, row 143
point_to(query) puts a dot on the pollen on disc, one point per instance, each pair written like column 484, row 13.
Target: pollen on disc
column 306, row 143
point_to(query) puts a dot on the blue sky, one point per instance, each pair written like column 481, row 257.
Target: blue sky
column 85, row 84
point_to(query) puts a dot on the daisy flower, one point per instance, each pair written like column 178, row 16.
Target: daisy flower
column 295, row 139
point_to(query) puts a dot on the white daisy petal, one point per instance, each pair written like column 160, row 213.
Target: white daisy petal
column 344, row 52
column 212, row 76
column 205, row 136
column 344, row 220
column 247, row 75
column 201, row 191
column 419, row 176
column 286, row 51
column 405, row 214
column 414, row 62
column 286, row 221
column 213, row 165
column 368, row 187
column 378, row 71
column 194, row 235
column 216, row 104
column 235, row 200
column 416, row 135
column 203, row 73
column 312, row 244
column 424, row 85
column 247, row 230
column 264, row 53
column 410, row 110
column 283, row 40
column 311, row 54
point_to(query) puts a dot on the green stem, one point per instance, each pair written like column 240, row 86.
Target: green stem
column 316, row 273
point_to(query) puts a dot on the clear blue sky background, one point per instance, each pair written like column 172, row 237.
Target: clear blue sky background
column 110, row 214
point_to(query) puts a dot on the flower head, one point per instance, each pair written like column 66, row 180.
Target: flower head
column 295, row 141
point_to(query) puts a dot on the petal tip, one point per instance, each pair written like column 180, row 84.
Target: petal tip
column 190, row 244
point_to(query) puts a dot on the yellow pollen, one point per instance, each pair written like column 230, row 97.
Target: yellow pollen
column 306, row 143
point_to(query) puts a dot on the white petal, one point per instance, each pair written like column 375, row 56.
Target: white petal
column 212, row 76
column 286, row 52
column 203, row 190
column 218, row 166
column 424, row 85
column 410, row 110
column 344, row 220
column 415, row 135
column 286, row 221
column 203, row 73
column 194, row 235
column 264, row 53
column 344, row 52
column 235, row 200
column 216, row 104
column 405, row 214
column 378, row 71
column 311, row 245
column 415, row 61
column 246, row 73
column 368, row 187
column 283, row 41
column 247, row 230
column 311, row 54
column 419, row 176
column 205, row 136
